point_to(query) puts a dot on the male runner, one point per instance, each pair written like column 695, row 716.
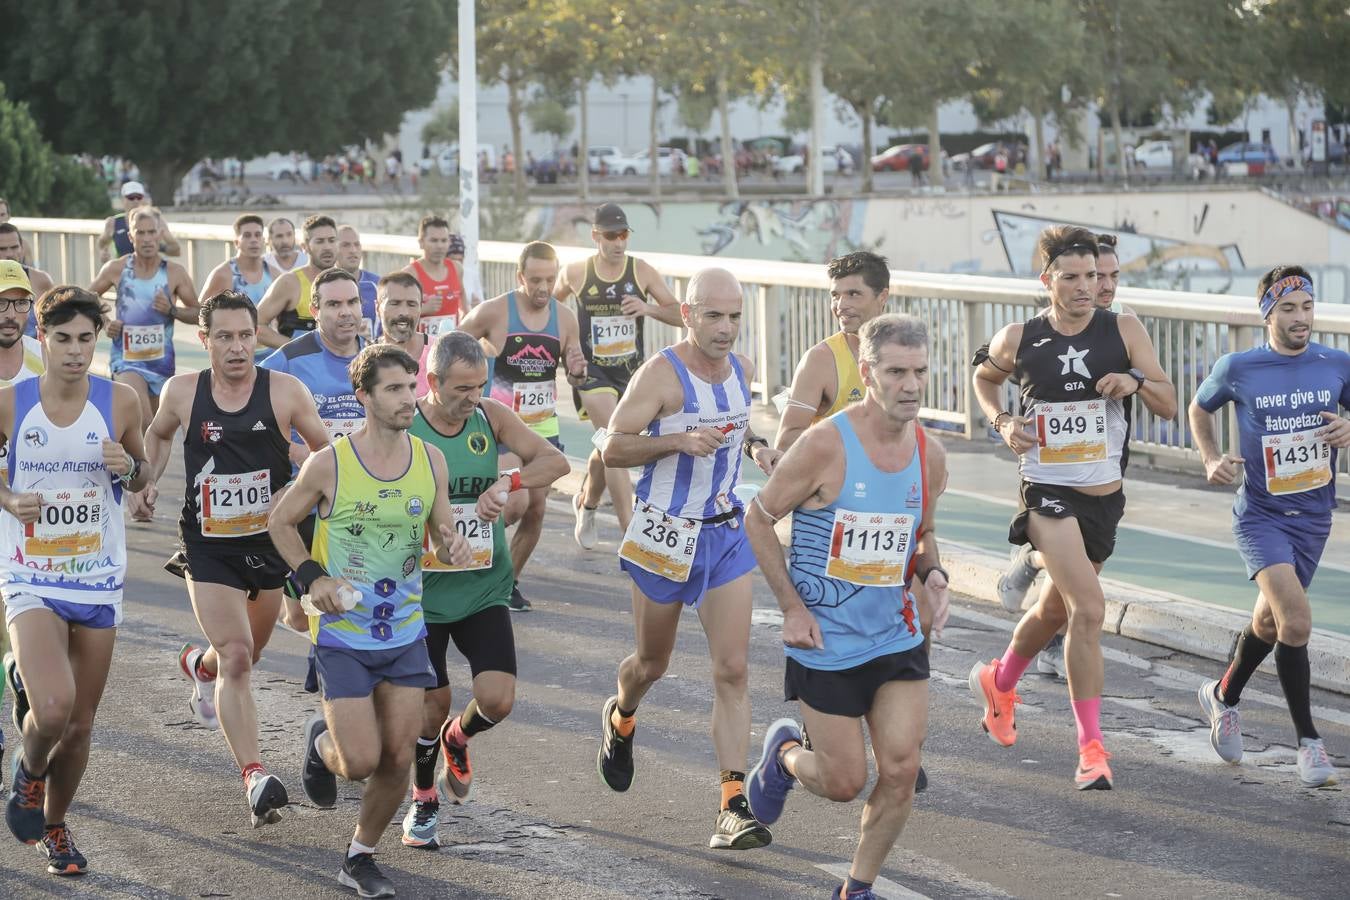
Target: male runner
column 1075, row 365
column 20, row 359
column 282, row 254
column 398, row 310
column 469, row 605
column 612, row 291
column 1026, row 562
column 235, row 418
column 1286, row 395
column 349, row 258
column 287, row 311
column 442, row 279
column 118, row 230
column 246, row 272
column 529, row 334
column 76, row 447
column 686, row 421
column 377, row 490
column 152, row 293
column 862, row 490
column 13, row 247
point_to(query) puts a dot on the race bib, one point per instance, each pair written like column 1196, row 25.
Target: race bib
column 142, row 343
column 435, row 326
column 613, row 337
column 70, row 523
column 1296, row 462
column 476, row 531
column 661, row 544
column 534, row 401
column 869, row 549
column 1071, row 432
column 235, row 505
column 336, row 428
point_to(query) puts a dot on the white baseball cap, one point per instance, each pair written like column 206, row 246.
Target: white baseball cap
column 133, row 187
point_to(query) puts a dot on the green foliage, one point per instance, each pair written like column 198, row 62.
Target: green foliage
column 695, row 108
column 26, row 162
column 548, row 116
column 443, row 126
column 78, row 192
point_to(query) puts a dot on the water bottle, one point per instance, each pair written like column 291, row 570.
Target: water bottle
column 348, row 596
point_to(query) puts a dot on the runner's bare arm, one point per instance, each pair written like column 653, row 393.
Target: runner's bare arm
column 451, row 547
column 1157, row 392
column 927, row 559
column 574, row 358
column 569, row 278
column 105, row 240
column 168, row 244
column 284, row 294
column 541, row 462
column 1220, row 468
column 317, row 477
column 643, row 402
column 667, row 308
column 219, row 280
column 24, row 507
column 184, row 293
column 130, row 435
column 106, row 277
column 990, row 375
column 808, row 397
column 483, row 321
column 302, row 414
column 164, row 426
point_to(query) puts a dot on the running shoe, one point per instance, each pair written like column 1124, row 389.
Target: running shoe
column 1016, row 580
column 614, row 762
column 518, row 603
column 20, row 708
column 320, row 785
column 27, row 795
column 1314, row 767
column 203, row 699
column 921, row 781
column 863, row 894
column 360, row 873
column 1225, row 725
column 584, row 532
column 1050, row 661
column 456, row 779
column 1093, row 773
column 266, row 798
column 768, row 783
column 999, row 706
column 59, row 848
column 419, row 825
column 737, row 828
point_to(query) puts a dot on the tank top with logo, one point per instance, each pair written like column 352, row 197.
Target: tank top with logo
column 608, row 337
column 525, row 372
column 147, row 335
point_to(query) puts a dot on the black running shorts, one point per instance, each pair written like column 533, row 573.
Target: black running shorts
column 485, row 639
column 1098, row 517
column 850, row 692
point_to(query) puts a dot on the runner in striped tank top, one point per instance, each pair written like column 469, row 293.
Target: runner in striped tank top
column 687, row 422
column 77, row 449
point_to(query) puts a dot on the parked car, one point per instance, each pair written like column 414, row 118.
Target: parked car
column 982, row 157
column 896, row 159
column 290, row 169
column 609, row 153
column 447, row 161
column 1249, row 152
column 833, row 159
column 640, row 163
column 1158, row 155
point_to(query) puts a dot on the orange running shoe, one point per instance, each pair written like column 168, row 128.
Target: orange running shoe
column 1093, row 773
column 998, row 705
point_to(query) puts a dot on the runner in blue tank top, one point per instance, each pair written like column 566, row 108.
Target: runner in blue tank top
column 686, row 421
column 367, row 282
column 245, row 272
column 1286, row 395
column 861, row 487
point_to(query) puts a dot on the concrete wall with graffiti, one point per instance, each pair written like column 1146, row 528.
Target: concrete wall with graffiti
column 1162, row 234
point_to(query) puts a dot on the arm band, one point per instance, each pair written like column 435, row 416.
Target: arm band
column 923, row 576
column 308, row 573
column 515, row 481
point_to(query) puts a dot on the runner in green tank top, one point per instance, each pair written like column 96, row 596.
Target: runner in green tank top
column 468, row 604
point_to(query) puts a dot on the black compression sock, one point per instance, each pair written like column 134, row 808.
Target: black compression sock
column 1249, row 653
column 424, row 764
column 1291, row 664
column 472, row 721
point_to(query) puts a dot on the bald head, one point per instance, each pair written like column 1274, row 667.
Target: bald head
column 710, row 284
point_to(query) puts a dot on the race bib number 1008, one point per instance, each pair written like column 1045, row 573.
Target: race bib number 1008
column 69, row 523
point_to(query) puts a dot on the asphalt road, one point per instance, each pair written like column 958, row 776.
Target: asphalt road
column 161, row 813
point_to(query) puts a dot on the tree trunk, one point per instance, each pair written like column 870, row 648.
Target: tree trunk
column 162, row 178
column 583, row 147
column 935, row 176
column 815, row 172
column 513, row 109
column 1120, row 137
column 867, row 151
column 724, row 111
column 1295, row 151
column 654, row 141
column 1039, row 154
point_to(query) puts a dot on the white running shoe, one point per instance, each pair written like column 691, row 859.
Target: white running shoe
column 1050, row 661
column 1016, row 580
column 203, row 699
column 1314, row 767
column 1225, row 725
column 584, row 532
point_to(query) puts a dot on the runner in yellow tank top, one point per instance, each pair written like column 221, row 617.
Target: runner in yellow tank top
column 287, row 310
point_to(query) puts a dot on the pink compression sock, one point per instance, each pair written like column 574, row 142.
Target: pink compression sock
column 1086, row 713
column 427, row 796
column 1010, row 669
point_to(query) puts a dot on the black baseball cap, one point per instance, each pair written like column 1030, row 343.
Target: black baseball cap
column 610, row 217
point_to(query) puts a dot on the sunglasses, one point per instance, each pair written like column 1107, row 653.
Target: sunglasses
column 614, row 235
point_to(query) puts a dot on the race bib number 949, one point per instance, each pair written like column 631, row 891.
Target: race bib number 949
column 1071, row 432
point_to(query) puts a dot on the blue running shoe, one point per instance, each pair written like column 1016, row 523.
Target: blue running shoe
column 767, row 785
column 864, row 894
column 24, row 812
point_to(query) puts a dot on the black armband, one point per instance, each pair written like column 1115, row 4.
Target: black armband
column 923, row 576
column 309, row 572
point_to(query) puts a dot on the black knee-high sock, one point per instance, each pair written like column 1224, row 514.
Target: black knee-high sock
column 1291, row 664
column 1249, row 653
column 424, row 764
column 472, row 721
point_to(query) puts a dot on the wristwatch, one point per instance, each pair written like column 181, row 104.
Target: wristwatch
column 1139, row 377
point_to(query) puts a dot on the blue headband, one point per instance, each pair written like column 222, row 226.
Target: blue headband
column 1280, row 288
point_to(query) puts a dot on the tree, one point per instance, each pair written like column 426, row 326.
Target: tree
column 548, row 116
column 168, row 83
column 443, row 126
column 26, row 164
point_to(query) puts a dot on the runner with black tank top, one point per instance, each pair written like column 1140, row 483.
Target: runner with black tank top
column 468, row 604
column 1076, row 366
column 613, row 292
column 528, row 336
column 235, row 419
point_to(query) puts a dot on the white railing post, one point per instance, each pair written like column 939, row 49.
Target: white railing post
column 769, row 353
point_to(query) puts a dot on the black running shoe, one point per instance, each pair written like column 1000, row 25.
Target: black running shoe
column 320, row 785
column 20, row 695
column 266, row 798
column 360, row 873
column 615, row 760
column 24, row 811
column 737, row 829
column 59, row 848
column 518, row 603
column 921, row 782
